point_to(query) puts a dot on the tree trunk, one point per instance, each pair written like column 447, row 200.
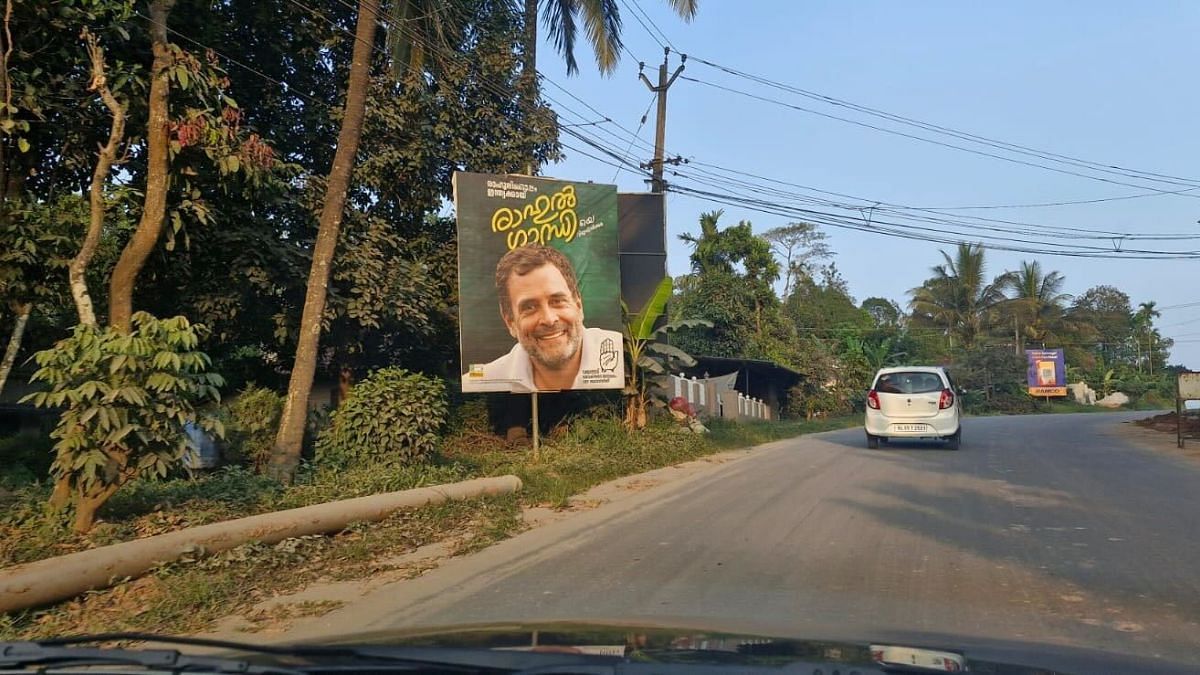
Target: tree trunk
column 289, row 441
column 22, row 310
column 145, row 237
column 77, row 270
column 529, row 82
column 345, row 383
column 61, row 495
column 87, row 504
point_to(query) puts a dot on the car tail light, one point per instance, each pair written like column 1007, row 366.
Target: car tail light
column 873, row 400
column 946, row 400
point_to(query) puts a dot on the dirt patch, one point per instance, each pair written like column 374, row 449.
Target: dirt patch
column 1168, row 423
column 278, row 617
column 1158, row 434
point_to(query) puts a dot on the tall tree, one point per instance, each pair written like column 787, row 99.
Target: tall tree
column 286, row 455
column 797, row 245
column 731, row 286
column 959, row 297
column 1036, row 304
column 601, row 21
column 884, row 312
column 1143, row 326
column 154, row 207
column 735, row 251
column 1106, row 313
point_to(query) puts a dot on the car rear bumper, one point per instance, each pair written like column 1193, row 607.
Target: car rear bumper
column 941, row 425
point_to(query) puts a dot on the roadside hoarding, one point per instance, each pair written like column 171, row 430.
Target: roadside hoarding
column 1047, row 373
column 643, row 243
column 1187, row 388
column 539, row 284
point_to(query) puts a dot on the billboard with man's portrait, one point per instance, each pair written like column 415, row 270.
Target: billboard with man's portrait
column 539, row 284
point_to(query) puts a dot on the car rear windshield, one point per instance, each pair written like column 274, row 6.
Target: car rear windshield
column 909, row 383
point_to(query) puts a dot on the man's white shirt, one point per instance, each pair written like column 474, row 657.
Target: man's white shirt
column 602, row 366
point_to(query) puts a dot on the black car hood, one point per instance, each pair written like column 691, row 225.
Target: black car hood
column 658, row 644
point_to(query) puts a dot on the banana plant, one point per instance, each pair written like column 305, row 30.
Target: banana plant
column 648, row 359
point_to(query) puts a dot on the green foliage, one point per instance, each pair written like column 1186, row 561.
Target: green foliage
column 797, row 245
column 391, row 418
column 959, row 297
column 251, row 420
column 812, row 399
column 824, row 305
column 34, row 250
column 649, row 358
column 125, row 401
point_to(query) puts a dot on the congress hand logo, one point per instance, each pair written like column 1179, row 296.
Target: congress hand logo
column 608, row 355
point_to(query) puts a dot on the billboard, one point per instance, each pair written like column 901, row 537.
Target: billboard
column 1047, row 374
column 539, row 284
column 643, row 245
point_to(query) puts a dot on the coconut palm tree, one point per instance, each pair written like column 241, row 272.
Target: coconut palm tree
column 959, row 296
column 1037, row 302
column 1143, row 324
column 601, row 21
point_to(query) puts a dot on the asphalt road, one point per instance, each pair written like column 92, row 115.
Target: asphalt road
column 1052, row 529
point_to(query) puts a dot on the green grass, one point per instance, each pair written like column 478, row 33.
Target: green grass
column 187, row 596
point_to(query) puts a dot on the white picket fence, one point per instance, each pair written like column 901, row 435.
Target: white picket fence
column 695, row 391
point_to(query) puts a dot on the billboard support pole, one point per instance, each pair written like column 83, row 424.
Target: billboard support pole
column 1178, row 414
column 537, row 446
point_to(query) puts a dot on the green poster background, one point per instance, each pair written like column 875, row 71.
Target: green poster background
column 496, row 211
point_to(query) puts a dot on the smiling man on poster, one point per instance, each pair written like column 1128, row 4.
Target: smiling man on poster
column 543, row 310
column 538, row 267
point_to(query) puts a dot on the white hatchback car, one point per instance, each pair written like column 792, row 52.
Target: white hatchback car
column 913, row 402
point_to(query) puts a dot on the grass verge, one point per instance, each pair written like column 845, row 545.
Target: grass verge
column 189, row 595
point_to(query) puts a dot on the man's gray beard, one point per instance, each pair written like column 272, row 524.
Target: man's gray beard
column 549, row 362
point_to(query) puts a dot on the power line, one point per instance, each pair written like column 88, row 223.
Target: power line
column 963, row 135
column 635, row 9
column 923, row 139
column 1179, row 306
column 620, row 159
column 1073, row 202
column 867, row 220
column 931, row 235
column 869, row 204
column 641, row 124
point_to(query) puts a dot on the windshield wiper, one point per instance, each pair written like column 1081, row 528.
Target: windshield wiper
column 60, row 651
column 26, row 654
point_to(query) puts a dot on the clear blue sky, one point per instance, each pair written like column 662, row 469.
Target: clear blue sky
column 1103, row 81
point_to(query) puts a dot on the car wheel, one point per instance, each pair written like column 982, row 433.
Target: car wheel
column 954, row 441
column 872, row 441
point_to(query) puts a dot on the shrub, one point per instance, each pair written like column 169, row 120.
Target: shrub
column 251, row 420
column 126, row 400
column 392, row 417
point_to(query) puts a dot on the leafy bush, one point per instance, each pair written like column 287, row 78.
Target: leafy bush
column 127, row 398
column 810, row 399
column 251, row 420
column 392, row 417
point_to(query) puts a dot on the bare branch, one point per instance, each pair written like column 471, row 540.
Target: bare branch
column 107, row 156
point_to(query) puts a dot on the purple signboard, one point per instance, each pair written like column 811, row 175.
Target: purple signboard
column 1047, row 373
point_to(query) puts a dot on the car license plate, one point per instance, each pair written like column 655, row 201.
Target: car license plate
column 912, row 427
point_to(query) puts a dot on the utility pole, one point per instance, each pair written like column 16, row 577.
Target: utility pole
column 656, row 166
